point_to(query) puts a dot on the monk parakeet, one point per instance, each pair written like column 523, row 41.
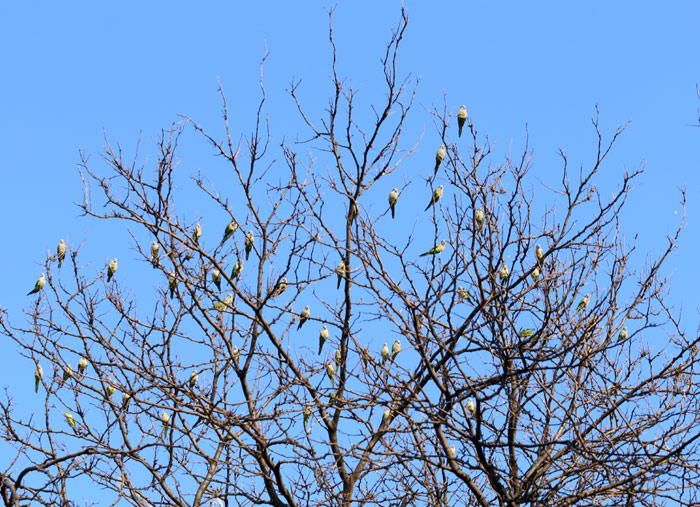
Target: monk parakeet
column 479, row 218
column 307, row 415
column 39, row 285
column 216, row 278
column 535, row 275
column 249, row 238
column 503, row 274
column 452, row 452
column 471, row 408
column 366, row 357
column 237, row 268
column 109, row 390
column 583, row 303
column 330, row 370
column 82, row 365
column 437, row 195
column 386, row 414
column 226, row 303
column 385, row 353
column 165, row 418
column 196, row 234
column 235, row 354
column 526, row 333
column 461, row 118
column 126, row 398
column 230, row 229
column 395, row 349
column 304, row 316
column 322, row 339
column 111, row 269
column 337, row 357
column 70, row 420
column 67, row 372
column 436, row 249
column 419, row 322
column 280, row 287
column 393, row 197
column 439, row 157
column 463, row 294
column 539, row 253
column 623, row 334
column 340, row 271
column 38, row 374
column 172, row 283
column 194, row 377
column 61, row 252
column 155, row 250
column 354, row 211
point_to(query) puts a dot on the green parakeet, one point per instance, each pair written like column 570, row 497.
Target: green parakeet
column 230, row 229
column 280, row 287
column 111, row 269
column 228, row 301
column 439, row 157
column 61, row 252
column 366, row 357
column 337, row 357
column 172, row 283
column 535, row 275
column 249, row 239
column 471, row 408
column 393, row 197
column 194, row 377
column 463, row 295
column 503, row 274
column 539, row 254
column 322, row 339
column 38, row 374
column 39, row 285
column 461, row 118
column 437, row 195
column 196, row 234
column 353, row 212
column 235, row 353
column 395, row 349
column 126, row 398
column 330, row 370
column 385, row 353
column 109, row 390
column 304, row 316
column 623, row 335
column 583, row 303
column 452, row 452
column 155, row 251
column 165, row 419
column 70, row 420
column 340, row 271
column 386, row 414
column 479, row 218
column 436, row 249
column 216, row 278
column 67, row 372
column 307, row 415
column 82, row 365
column 237, row 268
column 526, row 333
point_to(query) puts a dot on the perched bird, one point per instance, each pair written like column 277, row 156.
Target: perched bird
column 126, row 398
column 196, row 234
column 165, row 418
column 393, row 197
column 386, row 414
column 353, row 212
column 436, row 249
column 535, row 275
column 155, row 250
column 322, row 339
column 583, row 303
column 330, row 370
column 39, row 285
column 230, row 229
column 463, row 294
column 452, row 452
column 418, row 321
column 61, row 252
column 304, row 316
column 216, row 278
column 235, row 354
column 526, row 333
column 623, row 335
column 337, row 357
column 439, row 157
column 67, row 372
column 461, row 118
column 479, row 218
column 228, row 301
column 172, row 283
column 82, row 365
column 237, row 268
column 340, row 271
column 280, row 287
column 385, row 353
column 471, row 408
column 109, row 390
column 111, row 269
column 503, row 274
column 194, row 377
column 437, row 195
column 70, row 420
column 249, row 238
column 366, row 357
column 395, row 349
column 38, row 374
column 539, row 254
column 307, row 415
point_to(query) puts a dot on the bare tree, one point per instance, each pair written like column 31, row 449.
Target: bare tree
column 518, row 367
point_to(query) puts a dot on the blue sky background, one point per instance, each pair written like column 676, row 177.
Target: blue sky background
column 73, row 72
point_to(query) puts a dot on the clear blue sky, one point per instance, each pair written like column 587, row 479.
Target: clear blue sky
column 72, row 72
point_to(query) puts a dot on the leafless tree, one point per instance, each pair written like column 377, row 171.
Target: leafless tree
column 522, row 379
